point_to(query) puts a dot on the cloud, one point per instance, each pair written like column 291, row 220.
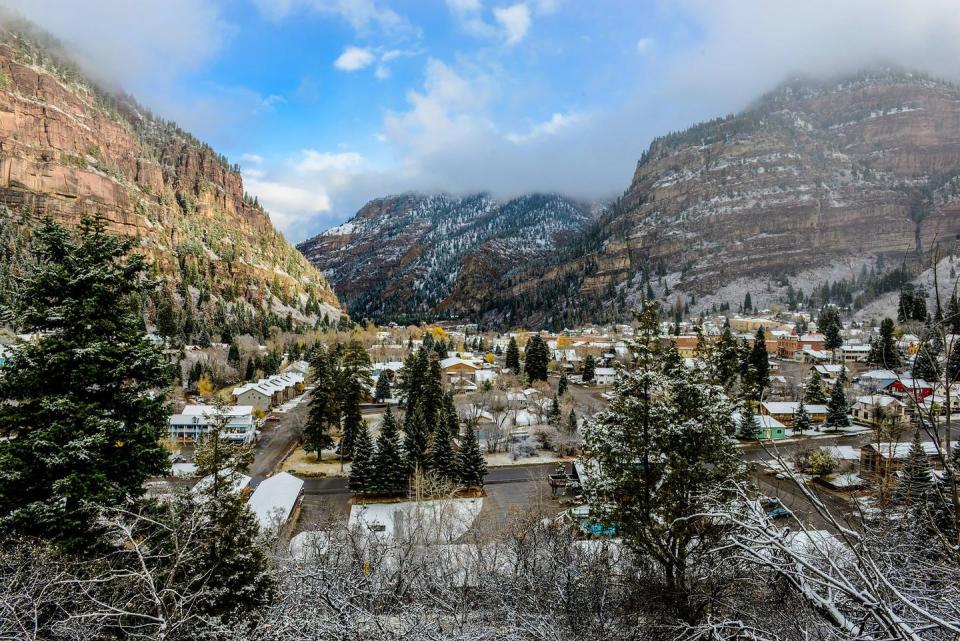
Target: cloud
column 515, row 21
column 253, row 159
column 362, row 15
column 644, row 45
column 314, row 161
column 354, row 58
column 556, row 123
column 133, row 45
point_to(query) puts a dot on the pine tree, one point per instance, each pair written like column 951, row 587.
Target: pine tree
column 432, row 399
column 416, row 437
column 383, row 386
column 916, row 481
column 470, row 463
column 814, row 392
column 831, row 326
column 747, row 302
column 537, row 360
column 837, row 408
column 725, row 359
column 554, row 416
column 589, row 366
column 562, row 385
column 662, row 447
column 390, row 469
column 572, row 422
column 512, row 360
column 450, row 419
column 953, row 362
column 84, row 401
column 883, row 350
column 352, row 423
column 926, row 363
column 324, row 414
column 748, row 427
column 758, row 366
column 361, row 469
column 953, row 315
column 801, row 420
column 441, row 459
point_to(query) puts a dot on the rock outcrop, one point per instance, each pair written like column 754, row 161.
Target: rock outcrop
column 69, row 149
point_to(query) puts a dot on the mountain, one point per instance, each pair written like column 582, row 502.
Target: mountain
column 821, row 192
column 414, row 255
column 68, row 148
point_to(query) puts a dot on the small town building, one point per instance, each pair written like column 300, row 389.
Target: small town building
column 886, row 458
column 275, row 499
column 784, row 411
column 196, row 420
column 604, row 376
column 869, row 409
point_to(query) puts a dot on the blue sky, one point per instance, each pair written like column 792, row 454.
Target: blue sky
column 329, row 103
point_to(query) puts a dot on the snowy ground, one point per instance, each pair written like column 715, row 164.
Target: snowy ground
column 438, row 521
column 290, row 405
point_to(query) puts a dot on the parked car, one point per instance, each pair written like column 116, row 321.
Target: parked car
column 779, row 513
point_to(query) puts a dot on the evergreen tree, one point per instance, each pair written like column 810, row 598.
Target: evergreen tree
column 916, row 482
column 814, row 392
column 926, row 362
column 883, row 350
column 450, row 419
column 662, row 447
column 758, row 366
column 324, row 414
column 383, row 386
column 801, row 420
column 725, row 359
column 837, row 408
column 390, row 470
column 589, row 366
column 747, row 302
column 512, row 360
column 572, row 422
column 85, row 400
column 554, row 416
column 352, row 422
column 416, row 437
column 748, row 427
column 953, row 362
column 562, row 385
column 537, row 359
column 441, row 459
column 432, row 399
column 470, row 463
column 831, row 326
column 953, row 315
column 361, row 468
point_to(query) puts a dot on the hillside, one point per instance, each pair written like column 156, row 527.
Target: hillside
column 414, row 255
column 69, row 149
column 820, row 192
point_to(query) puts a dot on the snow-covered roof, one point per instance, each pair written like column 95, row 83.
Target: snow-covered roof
column 211, row 410
column 880, row 400
column 902, row 450
column 843, row 452
column 240, row 481
column 790, row 407
column 453, row 361
column 274, row 499
column 605, row 371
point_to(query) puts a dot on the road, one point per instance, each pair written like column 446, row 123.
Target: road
column 276, row 442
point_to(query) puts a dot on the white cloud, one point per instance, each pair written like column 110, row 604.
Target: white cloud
column 515, row 21
column 644, row 45
column 253, row 159
column 314, row 161
column 354, row 58
column 555, row 124
column 136, row 46
column 362, row 15
column 464, row 6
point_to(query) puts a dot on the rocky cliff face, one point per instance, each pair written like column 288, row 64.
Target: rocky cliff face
column 415, row 255
column 818, row 186
column 68, row 149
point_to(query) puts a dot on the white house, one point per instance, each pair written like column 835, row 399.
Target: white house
column 275, row 499
column 868, row 408
column 604, row 375
column 196, row 420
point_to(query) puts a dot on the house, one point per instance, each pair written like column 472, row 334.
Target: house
column 914, row 388
column 196, row 420
column 874, row 380
column 854, row 353
column 868, row 409
column 266, row 392
column 810, row 355
column 459, row 369
column 604, row 376
column 300, row 367
column 274, row 500
column 784, row 411
column 768, row 428
column 789, row 345
column 886, row 458
column 829, row 373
